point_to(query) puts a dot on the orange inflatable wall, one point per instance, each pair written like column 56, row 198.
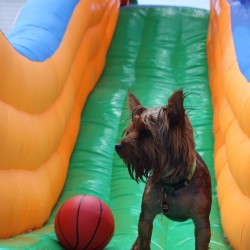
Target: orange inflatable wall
column 231, row 103
column 40, row 104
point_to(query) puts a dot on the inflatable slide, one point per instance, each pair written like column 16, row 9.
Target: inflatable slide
column 65, row 71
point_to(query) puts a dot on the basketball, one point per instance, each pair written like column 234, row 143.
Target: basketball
column 84, row 222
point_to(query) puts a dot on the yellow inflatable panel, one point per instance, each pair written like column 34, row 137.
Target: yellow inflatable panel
column 40, row 107
column 228, row 40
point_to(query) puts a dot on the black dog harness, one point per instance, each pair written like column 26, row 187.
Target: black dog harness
column 175, row 187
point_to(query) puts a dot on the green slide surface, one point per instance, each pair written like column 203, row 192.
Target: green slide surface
column 155, row 50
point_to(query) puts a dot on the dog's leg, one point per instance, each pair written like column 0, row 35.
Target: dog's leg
column 145, row 228
column 151, row 206
column 202, row 233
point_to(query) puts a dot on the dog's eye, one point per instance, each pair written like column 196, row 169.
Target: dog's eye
column 145, row 133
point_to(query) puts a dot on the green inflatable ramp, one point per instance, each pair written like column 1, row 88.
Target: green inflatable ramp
column 155, row 50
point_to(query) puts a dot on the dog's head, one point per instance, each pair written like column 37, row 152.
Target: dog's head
column 159, row 141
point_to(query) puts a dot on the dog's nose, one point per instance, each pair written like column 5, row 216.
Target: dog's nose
column 118, row 147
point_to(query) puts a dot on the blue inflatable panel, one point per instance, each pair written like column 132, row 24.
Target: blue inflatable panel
column 37, row 37
column 240, row 20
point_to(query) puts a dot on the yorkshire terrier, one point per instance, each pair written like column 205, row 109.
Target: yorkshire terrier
column 159, row 148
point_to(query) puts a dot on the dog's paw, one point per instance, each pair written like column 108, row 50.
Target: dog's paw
column 135, row 248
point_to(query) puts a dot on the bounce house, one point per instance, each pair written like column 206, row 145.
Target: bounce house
column 65, row 71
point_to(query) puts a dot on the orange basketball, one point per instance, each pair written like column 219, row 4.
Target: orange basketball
column 84, row 222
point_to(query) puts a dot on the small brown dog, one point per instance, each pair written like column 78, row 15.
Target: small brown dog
column 159, row 147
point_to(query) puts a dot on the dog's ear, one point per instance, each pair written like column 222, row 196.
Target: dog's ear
column 132, row 101
column 134, row 105
column 176, row 111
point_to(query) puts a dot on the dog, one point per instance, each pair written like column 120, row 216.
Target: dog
column 159, row 148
